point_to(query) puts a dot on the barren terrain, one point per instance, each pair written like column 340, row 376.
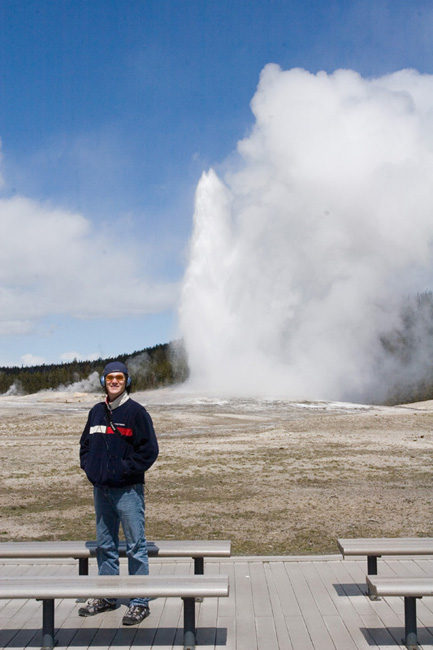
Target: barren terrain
column 275, row 477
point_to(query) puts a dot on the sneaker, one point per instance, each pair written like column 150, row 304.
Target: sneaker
column 136, row 614
column 96, row 606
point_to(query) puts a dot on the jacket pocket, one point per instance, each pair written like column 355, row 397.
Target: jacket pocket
column 115, row 470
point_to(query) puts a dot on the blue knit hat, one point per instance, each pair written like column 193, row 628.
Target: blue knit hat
column 115, row 366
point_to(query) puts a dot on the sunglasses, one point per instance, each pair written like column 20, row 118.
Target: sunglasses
column 120, row 378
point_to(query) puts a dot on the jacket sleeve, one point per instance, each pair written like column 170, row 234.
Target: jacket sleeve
column 145, row 445
column 84, row 445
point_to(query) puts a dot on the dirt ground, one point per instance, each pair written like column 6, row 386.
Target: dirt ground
column 275, row 477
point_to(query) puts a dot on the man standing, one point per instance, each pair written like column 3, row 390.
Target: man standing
column 117, row 446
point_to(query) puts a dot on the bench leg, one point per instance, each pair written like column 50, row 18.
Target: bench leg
column 83, row 570
column 372, row 571
column 198, row 571
column 48, row 641
column 199, row 566
column 372, row 565
column 189, row 623
column 83, row 566
column 410, row 632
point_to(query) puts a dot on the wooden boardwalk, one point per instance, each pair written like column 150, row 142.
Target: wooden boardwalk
column 283, row 603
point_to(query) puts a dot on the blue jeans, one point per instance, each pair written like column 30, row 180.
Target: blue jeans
column 115, row 506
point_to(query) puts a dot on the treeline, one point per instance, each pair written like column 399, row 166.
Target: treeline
column 407, row 365
column 161, row 365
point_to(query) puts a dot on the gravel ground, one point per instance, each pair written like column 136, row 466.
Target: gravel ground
column 275, row 477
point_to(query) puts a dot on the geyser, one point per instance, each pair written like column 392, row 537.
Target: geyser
column 302, row 254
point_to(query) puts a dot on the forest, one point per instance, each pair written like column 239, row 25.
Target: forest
column 153, row 367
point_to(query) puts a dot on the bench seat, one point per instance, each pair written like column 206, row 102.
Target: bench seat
column 375, row 547
column 83, row 551
column 410, row 588
column 414, row 587
column 47, row 589
column 160, row 586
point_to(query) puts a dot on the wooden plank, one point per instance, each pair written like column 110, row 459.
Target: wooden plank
column 425, row 565
column 169, row 631
column 23, row 625
column 393, row 622
column 85, row 634
column 226, row 633
column 324, row 603
column 355, row 597
column 124, row 637
column 298, row 632
column 266, row 633
column 402, row 568
column 281, row 630
column 206, row 616
column 68, row 627
column 159, row 617
column 286, row 593
column 373, row 626
column 209, row 613
column 246, row 638
column 227, row 606
column 146, row 634
column 424, row 611
column 310, row 612
column 102, row 638
column 170, row 625
column 339, row 634
column 344, row 606
column 259, row 588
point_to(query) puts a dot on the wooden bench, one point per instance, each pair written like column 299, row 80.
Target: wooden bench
column 410, row 588
column 83, row 551
column 376, row 547
column 48, row 589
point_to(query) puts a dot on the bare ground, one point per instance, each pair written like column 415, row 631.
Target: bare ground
column 274, row 477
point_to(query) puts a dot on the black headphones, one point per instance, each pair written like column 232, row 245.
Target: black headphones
column 128, row 380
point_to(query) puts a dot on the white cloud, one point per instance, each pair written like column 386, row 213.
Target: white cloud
column 32, row 360
column 15, row 327
column 54, row 262
column 72, row 356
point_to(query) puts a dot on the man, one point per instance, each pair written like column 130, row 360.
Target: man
column 117, row 446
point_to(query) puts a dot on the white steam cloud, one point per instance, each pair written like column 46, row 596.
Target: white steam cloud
column 301, row 257
column 90, row 384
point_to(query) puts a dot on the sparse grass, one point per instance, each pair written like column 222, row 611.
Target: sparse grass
column 290, row 487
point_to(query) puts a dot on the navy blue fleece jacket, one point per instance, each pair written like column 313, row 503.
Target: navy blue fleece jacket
column 112, row 460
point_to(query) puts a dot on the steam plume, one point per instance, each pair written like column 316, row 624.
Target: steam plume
column 301, row 256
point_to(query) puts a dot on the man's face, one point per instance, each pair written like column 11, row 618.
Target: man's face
column 115, row 384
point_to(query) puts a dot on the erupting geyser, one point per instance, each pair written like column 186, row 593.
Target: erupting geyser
column 301, row 256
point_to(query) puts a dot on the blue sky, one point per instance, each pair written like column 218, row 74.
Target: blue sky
column 110, row 111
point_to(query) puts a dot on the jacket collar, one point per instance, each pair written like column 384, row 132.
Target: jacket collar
column 124, row 397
